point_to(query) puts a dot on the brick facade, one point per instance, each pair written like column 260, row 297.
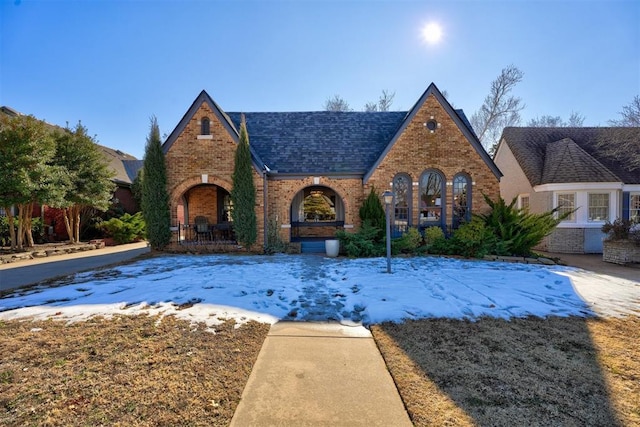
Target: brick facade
column 445, row 150
column 198, row 166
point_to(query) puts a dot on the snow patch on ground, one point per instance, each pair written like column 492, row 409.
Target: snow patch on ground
column 211, row 288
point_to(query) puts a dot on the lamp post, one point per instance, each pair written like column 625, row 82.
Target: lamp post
column 388, row 200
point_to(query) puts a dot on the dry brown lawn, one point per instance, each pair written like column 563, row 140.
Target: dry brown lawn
column 127, row 371
column 533, row 372
column 139, row 371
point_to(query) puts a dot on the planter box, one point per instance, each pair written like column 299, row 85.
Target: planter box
column 332, row 247
column 620, row 252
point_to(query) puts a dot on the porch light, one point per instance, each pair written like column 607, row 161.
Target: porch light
column 387, row 196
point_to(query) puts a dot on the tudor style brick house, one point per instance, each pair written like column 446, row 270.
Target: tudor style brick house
column 312, row 170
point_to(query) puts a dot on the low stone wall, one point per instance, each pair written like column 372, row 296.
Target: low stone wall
column 621, row 252
column 47, row 250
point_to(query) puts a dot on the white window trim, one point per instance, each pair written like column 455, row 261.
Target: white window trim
column 582, row 207
column 631, row 194
column 575, row 205
column 599, row 221
column 579, row 186
column 521, row 196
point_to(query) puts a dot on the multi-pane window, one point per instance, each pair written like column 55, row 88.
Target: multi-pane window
column 524, row 201
column 402, row 193
column 461, row 200
column 634, row 208
column 567, row 203
column 598, row 206
column 431, row 198
column 205, row 126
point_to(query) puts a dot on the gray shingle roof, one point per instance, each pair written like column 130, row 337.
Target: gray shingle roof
column 322, row 142
column 565, row 161
column 554, row 155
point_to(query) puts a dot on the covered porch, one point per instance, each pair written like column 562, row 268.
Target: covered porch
column 204, row 216
column 317, row 212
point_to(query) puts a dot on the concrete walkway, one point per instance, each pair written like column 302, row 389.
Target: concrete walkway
column 320, row 374
column 28, row 272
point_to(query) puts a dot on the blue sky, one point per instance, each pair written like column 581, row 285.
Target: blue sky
column 113, row 64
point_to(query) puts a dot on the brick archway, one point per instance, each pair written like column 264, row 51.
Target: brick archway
column 309, row 183
column 178, row 192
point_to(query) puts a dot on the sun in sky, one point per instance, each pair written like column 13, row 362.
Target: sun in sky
column 432, row 32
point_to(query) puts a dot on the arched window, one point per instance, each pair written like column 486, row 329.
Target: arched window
column 205, row 126
column 461, row 203
column 402, row 203
column 432, row 199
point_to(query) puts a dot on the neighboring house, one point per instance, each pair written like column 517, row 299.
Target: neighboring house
column 126, row 168
column 569, row 168
column 312, row 170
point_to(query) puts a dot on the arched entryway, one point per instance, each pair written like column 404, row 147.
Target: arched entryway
column 317, row 212
column 204, row 211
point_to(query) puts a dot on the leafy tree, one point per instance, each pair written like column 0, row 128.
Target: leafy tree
column 26, row 148
column 575, row 120
column 90, row 182
column 243, row 193
column 337, row 103
column 630, row 114
column 500, row 109
column 155, row 199
column 383, row 104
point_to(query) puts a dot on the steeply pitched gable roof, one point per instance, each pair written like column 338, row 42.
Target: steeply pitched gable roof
column 321, row 142
column 458, row 118
column 582, row 161
column 229, row 126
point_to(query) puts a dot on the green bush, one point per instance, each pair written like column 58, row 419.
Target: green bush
column 408, row 243
column 433, row 234
column 274, row 244
column 436, row 242
column 517, row 231
column 373, row 213
column 364, row 243
column 37, row 230
column 473, row 240
column 126, row 229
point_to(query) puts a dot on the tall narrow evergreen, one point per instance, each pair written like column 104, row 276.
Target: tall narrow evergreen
column 155, row 199
column 243, row 193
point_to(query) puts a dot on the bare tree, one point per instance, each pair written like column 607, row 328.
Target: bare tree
column 499, row 109
column 575, row 120
column 622, row 145
column 383, row 104
column 337, row 103
column 630, row 114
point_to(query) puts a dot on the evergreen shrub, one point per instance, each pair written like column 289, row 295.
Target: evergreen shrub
column 125, row 229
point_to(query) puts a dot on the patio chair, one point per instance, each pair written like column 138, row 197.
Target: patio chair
column 202, row 228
